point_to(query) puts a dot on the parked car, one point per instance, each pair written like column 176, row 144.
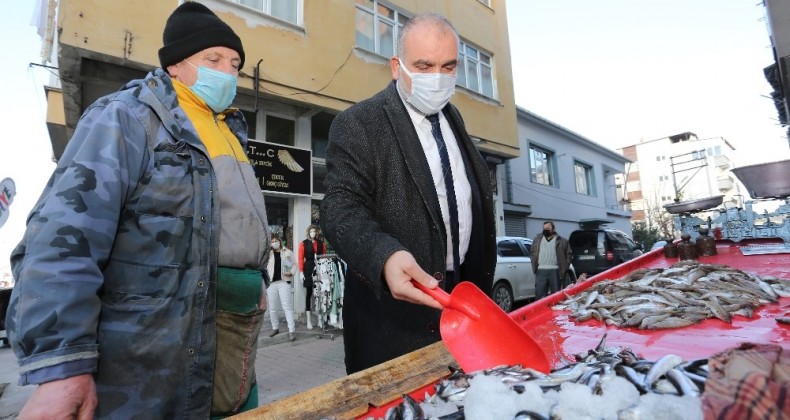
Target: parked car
column 513, row 277
column 597, row 250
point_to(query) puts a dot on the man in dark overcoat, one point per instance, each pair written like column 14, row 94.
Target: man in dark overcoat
column 408, row 196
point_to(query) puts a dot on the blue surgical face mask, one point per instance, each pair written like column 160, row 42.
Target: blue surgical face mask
column 214, row 87
column 430, row 92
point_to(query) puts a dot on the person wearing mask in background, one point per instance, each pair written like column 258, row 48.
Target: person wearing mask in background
column 281, row 269
column 308, row 249
column 139, row 275
column 408, row 197
column 551, row 257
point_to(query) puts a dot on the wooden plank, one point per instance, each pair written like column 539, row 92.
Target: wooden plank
column 351, row 396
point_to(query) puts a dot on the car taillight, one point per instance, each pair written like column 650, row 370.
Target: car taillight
column 609, row 255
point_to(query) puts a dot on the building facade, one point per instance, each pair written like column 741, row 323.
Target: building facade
column 560, row 176
column 778, row 74
column 681, row 167
column 306, row 61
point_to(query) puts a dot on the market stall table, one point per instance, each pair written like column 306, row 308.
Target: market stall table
column 368, row 393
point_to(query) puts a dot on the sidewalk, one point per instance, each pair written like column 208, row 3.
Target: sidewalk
column 283, row 368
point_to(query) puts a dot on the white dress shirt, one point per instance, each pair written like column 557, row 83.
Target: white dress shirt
column 463, row 191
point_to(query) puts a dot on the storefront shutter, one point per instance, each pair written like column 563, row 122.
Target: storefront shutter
column 515, row 225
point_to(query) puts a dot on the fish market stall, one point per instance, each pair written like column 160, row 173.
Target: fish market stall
column 563, row 328
column 369, row 393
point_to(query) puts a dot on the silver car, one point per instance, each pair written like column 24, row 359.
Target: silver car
column 513, row 277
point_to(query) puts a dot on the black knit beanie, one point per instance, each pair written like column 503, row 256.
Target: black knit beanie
column 192, row 28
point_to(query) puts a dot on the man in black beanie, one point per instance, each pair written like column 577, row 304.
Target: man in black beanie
column 139, row 276
column 192, row 28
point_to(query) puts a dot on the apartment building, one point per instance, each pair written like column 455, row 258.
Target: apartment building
column 560, row 176
column 305, row 62
column 682, row 167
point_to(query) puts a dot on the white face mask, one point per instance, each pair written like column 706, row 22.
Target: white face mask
column 430, row 92
column 275, row 245
column 312, row 234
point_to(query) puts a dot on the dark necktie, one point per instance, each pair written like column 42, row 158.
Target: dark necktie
column 452, row 204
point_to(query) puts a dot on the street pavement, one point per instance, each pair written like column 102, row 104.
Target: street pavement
column 283, row 368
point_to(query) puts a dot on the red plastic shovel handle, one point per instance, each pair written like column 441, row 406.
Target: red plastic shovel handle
column 446, row 300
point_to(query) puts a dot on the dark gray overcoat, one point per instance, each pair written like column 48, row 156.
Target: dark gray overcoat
column 380, row 198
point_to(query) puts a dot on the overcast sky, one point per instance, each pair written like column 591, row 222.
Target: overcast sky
column 621, row 71
column 614, row 71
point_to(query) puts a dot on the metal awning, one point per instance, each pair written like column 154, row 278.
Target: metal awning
column 593, row 223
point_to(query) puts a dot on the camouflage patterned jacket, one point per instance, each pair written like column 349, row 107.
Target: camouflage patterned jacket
column 116, row 271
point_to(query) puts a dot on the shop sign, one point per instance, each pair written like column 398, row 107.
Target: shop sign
column 282, row 169
column 7, row 194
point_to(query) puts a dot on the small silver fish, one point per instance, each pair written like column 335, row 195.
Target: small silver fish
column 660, row 367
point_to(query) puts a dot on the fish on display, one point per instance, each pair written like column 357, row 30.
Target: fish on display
column 603, row 383
column 682, row 295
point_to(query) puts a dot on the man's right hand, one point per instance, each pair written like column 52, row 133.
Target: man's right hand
column 399, row 269
column 70, row 398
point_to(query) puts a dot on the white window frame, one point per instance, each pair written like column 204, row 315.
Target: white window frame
column 466, row 60
column 378, row 19
column 583, row 176
column 267, row 7
column 544, row 173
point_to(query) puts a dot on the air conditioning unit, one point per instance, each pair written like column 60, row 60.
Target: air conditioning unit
column 725, row 183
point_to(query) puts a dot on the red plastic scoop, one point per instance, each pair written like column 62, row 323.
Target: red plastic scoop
column 479, row 334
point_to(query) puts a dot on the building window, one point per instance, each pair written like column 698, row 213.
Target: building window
column 584, row 178
column 280, row 130
column 475, row 70
column 541, row 164
column 378, row 26
column 287, row 10
column 509, row 248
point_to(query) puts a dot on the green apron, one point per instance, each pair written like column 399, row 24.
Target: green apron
column 238, row 324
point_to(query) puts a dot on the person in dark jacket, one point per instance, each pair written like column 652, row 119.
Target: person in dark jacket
column 408, row 197
column 551, row 258
column 139, row 275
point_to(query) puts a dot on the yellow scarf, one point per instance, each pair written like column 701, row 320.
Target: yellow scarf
column 211, row 128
